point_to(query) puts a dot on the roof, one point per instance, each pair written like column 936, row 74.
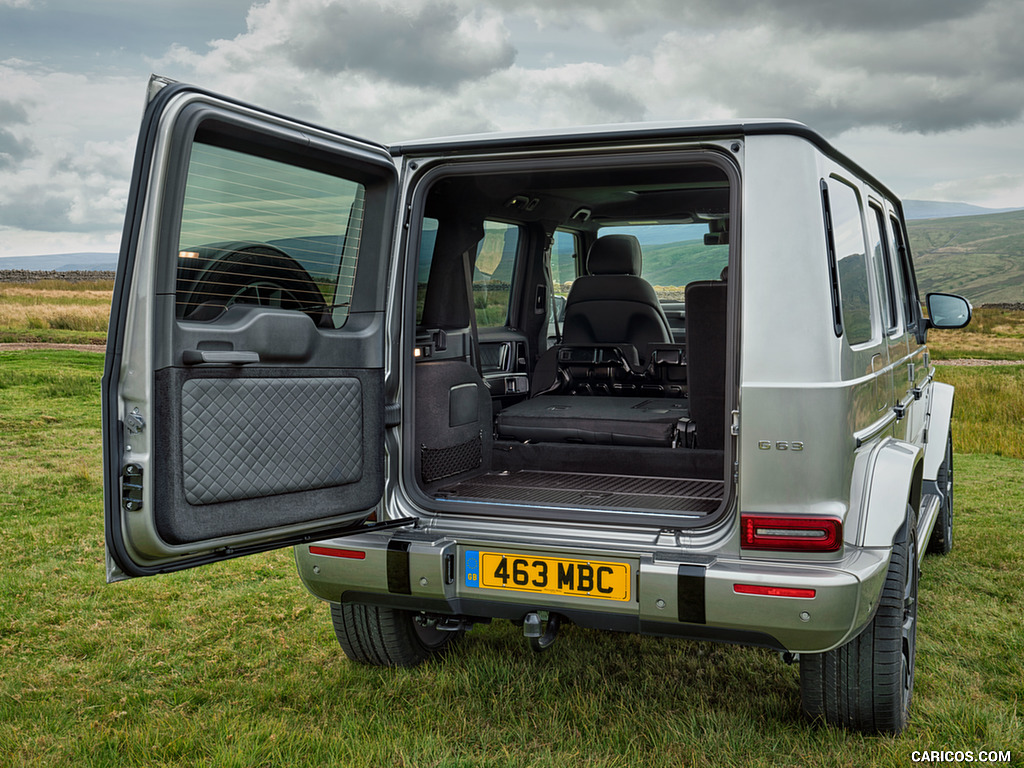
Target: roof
column 633, row 133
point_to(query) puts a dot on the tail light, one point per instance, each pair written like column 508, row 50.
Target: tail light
column 791, row 534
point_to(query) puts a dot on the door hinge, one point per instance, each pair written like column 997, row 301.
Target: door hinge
column 131, row 487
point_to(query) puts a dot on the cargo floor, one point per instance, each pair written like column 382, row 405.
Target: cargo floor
column 590, row 491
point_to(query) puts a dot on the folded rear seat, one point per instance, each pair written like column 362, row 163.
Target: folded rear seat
column 597, row 420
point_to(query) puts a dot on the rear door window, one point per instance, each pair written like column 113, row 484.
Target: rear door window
column 493, row 274
column 883, row 267
column 255, row 230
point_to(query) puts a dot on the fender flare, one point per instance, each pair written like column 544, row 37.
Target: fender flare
column 940, row 416
column 893, row 482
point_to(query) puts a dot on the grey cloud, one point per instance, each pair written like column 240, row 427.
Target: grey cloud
column 733, row 14
column 12, row 114
column 434, row 45
column 900, row 104
column 37, row 208
column 862, row 15
column 942, row 76
column 611, row 103
column 14, row 151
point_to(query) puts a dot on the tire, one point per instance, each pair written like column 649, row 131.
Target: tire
column 867, row 684
column 941, row 541
column 386, row 637
column 256, row 275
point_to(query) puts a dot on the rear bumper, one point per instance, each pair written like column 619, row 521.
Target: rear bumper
column 670, row 593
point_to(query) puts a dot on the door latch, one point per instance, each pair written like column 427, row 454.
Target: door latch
column 134, row 422
column 131, row 487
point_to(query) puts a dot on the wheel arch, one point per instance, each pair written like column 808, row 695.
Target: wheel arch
column 940, row 419
column 894, row 492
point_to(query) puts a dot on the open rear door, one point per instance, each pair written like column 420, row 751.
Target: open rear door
column 243, row 392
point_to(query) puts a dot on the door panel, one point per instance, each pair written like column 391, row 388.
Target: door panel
column 243, row 390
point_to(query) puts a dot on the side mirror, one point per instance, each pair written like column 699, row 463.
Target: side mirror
column 946, row 310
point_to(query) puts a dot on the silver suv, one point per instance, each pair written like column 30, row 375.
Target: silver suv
column 666, row 379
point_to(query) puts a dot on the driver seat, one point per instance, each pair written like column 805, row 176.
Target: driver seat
column 612, row 304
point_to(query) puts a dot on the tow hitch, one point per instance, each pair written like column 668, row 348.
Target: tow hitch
column 541, row 639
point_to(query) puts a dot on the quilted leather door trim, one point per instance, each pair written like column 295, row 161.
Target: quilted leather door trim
column 250, row 438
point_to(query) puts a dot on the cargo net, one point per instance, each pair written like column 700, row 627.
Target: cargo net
column 439, row 463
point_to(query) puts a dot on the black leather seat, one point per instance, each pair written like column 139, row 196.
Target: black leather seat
column 612, row 304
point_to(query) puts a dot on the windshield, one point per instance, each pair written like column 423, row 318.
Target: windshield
column 677, row 254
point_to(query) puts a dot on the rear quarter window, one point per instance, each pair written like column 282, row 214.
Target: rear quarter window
column 849, row 252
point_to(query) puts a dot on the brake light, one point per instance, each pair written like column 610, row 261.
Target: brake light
column 758, row 589
column 351, row 554
column 791, row 534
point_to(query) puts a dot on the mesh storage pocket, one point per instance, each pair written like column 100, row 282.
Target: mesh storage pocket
column 438, row 463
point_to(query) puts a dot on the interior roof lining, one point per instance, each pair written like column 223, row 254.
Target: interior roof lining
column 646, row 191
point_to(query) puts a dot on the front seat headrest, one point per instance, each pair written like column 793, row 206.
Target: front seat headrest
column 615, row 255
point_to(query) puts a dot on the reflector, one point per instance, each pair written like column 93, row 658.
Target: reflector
column 758, row 589
column 351, row 554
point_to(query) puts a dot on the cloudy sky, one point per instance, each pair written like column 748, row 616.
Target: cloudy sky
column 929, row 94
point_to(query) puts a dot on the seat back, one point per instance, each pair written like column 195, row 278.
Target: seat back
column 612, row 304
column 705, row 359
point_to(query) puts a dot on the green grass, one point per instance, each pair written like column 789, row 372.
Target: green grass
column 988, row 409
column 993, row 333
column 236, row 665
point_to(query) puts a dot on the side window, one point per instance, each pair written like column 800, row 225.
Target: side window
column 848, row 257
column 492, row 277
column 565, row 255
column 427, row 239
column 564, row 258
column 906, row 270
column 882, row 266
column 260, row 231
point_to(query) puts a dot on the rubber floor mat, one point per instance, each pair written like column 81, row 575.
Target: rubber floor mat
column 591, row 491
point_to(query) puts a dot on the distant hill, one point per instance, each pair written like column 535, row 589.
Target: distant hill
column 980, row 257
column 931, row 209
column 62, row 262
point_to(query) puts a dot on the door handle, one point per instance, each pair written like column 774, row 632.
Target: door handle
column 219, row 357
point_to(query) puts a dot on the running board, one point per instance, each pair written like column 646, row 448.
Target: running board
column 930, row 504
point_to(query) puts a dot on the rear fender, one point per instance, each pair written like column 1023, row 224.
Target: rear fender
column 939, row 419
column 893, row 482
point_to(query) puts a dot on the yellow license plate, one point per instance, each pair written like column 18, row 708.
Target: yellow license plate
column 547, row 575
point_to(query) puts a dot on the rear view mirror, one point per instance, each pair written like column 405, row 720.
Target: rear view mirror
column 947, row 310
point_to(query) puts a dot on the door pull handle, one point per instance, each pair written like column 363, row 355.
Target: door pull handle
column 219, row 357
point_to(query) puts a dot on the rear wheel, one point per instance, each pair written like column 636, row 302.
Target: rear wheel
column 868, row 683
column 387, row 637
column 941, row 541
column 255, row 275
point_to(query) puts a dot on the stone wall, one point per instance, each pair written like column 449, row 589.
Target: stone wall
column 35, row 275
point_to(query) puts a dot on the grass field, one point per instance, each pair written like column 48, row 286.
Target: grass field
column 235, row 665
column 54, row 311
